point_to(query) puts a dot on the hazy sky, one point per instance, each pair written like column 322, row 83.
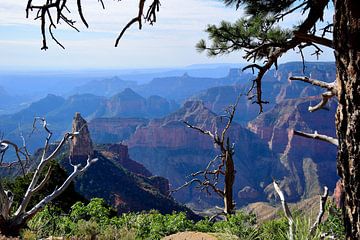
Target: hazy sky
column 170, row 42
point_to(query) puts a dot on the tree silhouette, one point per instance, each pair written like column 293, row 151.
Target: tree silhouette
column 53, row 12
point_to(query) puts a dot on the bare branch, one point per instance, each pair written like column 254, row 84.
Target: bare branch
column 210, row 176
column 323, row 199
column 43, row 182
column 60, row 7
column 201, row 184
column 281, row 16
column 231, row 113
column 43, row 162
column 325, row 98
column 286, row 210
column 81, row 13
column 76, row 172
column 206, row 132
column 150, row 17
column 315, row 135
column 329, row 86
column 5, row 144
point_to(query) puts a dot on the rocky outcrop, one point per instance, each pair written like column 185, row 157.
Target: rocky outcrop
column 81, row 144
column 120, row 155
column 122, row 182
column 311, row 163
column 122, row 189
column 161, row 183
column 168, row 148
column 113, row 130
column 248, row 194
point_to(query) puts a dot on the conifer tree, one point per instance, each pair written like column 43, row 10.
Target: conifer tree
column 262, row 39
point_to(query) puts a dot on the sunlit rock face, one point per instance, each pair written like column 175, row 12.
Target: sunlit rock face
column 311, row 164
column 81, row 144
column 119, row 153
column 168, row 148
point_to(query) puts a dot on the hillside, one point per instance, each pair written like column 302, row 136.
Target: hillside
column 168, row 148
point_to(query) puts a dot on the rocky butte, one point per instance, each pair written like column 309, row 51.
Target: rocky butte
column 124, row 183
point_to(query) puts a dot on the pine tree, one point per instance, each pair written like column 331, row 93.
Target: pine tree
column 260, row 35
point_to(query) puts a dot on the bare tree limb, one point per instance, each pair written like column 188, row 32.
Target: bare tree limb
column 286, row 210
column 43, row 182
column 59, row 8
column 325, row 98
column 43, row 162
column 323, row 199
column 18, row 218
column 76, row 172
column 209, row 178
column 329, row 86
column 315, row 135
column 206, row 132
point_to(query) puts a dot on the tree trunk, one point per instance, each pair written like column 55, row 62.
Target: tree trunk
column 11, row 228
column 347, row 55
column 229, row 182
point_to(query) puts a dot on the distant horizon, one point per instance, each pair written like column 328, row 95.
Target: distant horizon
column 23, row 70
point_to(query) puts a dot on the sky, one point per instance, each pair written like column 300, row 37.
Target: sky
column 168, row 43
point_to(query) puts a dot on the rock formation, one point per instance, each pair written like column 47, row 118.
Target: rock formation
column 120, row 155
column 81, row 144
column 168, row 148
column 311, row 163
column 114, row 130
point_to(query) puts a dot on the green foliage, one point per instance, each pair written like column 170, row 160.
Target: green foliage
column 302, row 229
column 264, row 7
column 274, row 229
column 95, row 220
column 96, row 211
column 279, row 228
column 259, row 32
column 333, row 225
column 239, row 224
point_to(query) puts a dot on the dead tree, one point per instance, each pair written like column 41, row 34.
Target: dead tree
column 288, row 215
column 13, row 220
column 51, row 13
column 208, row 179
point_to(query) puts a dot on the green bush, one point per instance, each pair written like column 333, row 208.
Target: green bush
column 95, row 220
column 333, row 225
column 274, row 229
column 240, row 224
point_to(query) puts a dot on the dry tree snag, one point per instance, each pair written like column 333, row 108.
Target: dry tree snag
column 208, row 179
column 11, row 222
column 288, row 215
column 51, row 13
